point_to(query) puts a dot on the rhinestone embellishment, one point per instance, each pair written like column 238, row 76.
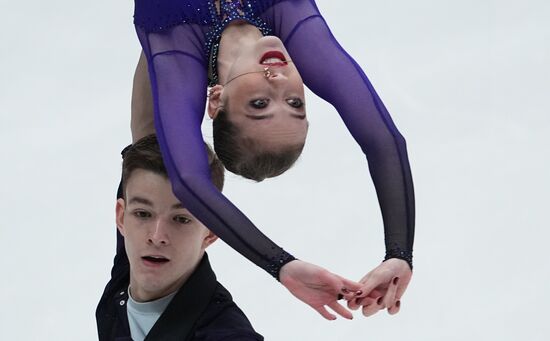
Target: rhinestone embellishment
column 230, row 10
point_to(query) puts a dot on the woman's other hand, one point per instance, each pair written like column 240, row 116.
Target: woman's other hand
column 318, row 287
column 383, row 288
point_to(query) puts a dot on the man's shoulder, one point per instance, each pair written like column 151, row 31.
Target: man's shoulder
column 224, row 320
column 110, row 318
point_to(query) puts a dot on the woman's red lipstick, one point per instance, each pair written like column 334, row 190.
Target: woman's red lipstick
column 274, row 54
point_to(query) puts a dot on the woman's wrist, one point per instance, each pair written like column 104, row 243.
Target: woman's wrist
column 275, row 268
column 400, row 254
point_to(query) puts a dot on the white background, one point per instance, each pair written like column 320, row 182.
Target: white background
column 467, row 83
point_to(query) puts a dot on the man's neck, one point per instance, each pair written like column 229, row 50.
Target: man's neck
column 155, row 306
column 234, row 37
column 140, row 294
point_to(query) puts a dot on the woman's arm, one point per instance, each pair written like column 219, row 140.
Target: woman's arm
column 178, row 85
column 142, row 120
column 331, row 73
column 178, row 82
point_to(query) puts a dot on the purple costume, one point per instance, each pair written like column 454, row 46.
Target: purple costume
column 177, row 37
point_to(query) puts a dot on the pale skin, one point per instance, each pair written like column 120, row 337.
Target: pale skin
column 381, row 288
column 387, row 282
column 155, row 224
column 267, row 108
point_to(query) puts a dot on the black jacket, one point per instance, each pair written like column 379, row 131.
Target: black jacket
column 202, row 309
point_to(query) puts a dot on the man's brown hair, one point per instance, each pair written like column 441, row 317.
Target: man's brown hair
column 145, row 154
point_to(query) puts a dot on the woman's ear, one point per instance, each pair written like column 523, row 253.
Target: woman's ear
column 214, row 100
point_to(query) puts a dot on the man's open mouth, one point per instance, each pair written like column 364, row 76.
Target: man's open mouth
column 155, row 259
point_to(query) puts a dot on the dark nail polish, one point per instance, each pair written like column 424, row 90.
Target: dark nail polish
column 398, row 304
column 379, row 301
column 395, row 280
column 359, row 292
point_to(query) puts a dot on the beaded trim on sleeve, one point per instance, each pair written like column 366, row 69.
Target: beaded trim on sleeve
column 277, row 262
column 400, row 254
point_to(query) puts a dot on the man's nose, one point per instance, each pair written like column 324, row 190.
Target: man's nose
column 158, row 235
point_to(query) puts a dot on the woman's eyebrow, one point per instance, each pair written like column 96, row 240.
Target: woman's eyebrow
column 301, row 116
column 259, row 117
column 177, row 206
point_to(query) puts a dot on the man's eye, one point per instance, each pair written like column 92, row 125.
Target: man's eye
column 142, row 214
column 295, row 102
column 182, row 219
column 259, row 103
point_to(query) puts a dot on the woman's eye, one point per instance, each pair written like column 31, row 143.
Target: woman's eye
column 142, row 214
column 295, row 102
column 259, row 103
column 182, row 220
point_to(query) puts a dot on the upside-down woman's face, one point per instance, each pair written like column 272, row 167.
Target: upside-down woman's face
column 268, row 106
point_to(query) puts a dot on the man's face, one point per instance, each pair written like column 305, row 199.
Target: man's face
column 164, row 242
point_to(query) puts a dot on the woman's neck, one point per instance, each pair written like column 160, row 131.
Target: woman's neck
column 234, row 37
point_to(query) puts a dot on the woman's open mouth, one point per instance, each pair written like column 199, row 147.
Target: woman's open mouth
column 273, row 58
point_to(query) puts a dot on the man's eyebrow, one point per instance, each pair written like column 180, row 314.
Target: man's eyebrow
column 140, row 200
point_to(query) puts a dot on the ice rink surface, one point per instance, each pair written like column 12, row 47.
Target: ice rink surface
column 466, row 82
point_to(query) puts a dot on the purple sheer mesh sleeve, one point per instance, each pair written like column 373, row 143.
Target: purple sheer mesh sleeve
column 333, row 75
column 178, row 79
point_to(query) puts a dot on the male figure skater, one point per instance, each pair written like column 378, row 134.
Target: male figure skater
column 165, row 289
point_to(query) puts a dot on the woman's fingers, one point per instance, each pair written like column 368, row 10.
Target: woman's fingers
column 356, row 303
column 371, row 309
column 389, row 297
column 401, row 287
column 368, row 286
column 350, row 288
column 395, row 308
column 353, row 304
column 366, row 300
column 361, row 302
column 372, row 304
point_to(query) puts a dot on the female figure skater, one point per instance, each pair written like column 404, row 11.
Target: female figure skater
column 257, row 102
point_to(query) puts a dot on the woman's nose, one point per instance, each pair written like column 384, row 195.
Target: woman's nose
column 277, row 76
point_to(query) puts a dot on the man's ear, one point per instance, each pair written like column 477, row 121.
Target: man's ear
column 209, row 239
column 120, row 206
column 214, row 100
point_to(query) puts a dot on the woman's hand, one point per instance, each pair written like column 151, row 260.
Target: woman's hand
column 318, row 287
column 383, row 287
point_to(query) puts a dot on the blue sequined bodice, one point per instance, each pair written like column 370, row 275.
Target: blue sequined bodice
column 229, row 11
